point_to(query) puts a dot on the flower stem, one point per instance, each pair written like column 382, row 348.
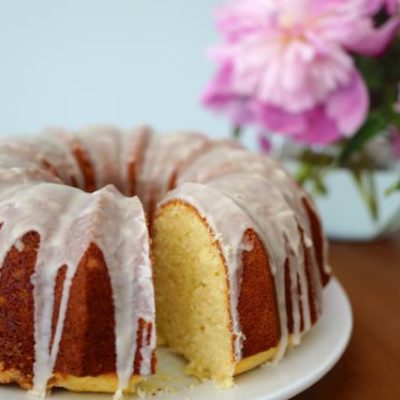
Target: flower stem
column 393, row 188
column 237, row 132
column 365, row 182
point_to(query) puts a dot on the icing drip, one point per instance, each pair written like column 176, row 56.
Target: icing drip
column 131, row 278
column 295, row 197
column 277, row 227
column 19, row 245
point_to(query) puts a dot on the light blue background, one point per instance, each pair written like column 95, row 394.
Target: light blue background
column 78, row 62
column 125, row 62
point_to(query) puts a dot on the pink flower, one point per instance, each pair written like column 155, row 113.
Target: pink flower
column 393, row 6
column 285, row 65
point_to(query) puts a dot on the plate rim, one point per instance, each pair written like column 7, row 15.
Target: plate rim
column 339, row 349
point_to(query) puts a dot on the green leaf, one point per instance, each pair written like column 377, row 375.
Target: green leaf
column 303, row 174
column 393, row 188
column 319, row 185
column 372, row 71
column 372, row 127
column 315, row 176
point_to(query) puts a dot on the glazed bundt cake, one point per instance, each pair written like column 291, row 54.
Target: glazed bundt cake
column 239, row 254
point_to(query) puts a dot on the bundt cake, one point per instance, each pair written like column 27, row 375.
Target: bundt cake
column 239, row 254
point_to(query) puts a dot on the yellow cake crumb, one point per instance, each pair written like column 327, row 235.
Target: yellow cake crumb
column 192, row 294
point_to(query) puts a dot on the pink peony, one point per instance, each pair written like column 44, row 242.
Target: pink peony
column 393, row 6
column 285, row 65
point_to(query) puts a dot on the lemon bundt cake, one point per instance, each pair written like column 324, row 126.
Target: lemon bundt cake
column 240, row 258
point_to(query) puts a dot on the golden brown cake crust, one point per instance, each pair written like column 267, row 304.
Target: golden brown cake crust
column 258, row 311
column 16, row 311
column 257, row 306
column 135, row 165
column 132, row 174
column 318, row 239
column 87, row 346
column 85, row 165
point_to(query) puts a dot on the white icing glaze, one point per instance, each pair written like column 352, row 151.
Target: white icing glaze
column 22, row 175
column 163, row 156
column 63, row 141
column 295, row 198
column 279, row 231
column 42, row 153
column 103, row 144
column 133, row 146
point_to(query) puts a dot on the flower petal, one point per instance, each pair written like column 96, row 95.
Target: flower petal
column 312, row 127
column 277, row 120
column 219, row 96
column 374, row 41
column 320, row 130
column 393, row 6
column 238, row 18
column 371, row 7
column 348, row 106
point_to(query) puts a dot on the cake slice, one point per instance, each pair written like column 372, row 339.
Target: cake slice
column 235, row 283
